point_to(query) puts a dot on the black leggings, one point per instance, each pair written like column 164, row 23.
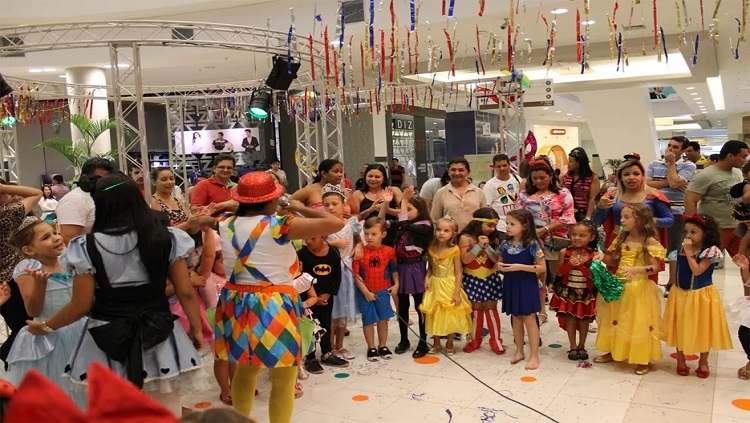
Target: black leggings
column 744, row 334
column 403, row 314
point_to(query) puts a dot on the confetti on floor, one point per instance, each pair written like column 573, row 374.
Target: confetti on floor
column 528, row 379
column 341, row 375
column 428, row 359
column 360, row 398
column 555, row 346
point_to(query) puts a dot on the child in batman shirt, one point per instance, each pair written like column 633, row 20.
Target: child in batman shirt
column 323, row 263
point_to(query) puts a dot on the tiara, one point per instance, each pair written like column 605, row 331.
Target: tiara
column 28, row 221
column 329, row 188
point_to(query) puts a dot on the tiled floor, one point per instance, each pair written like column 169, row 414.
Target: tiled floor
column 401, row 390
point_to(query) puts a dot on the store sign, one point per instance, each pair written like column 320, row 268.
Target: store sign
column 403, row 124
column 557, row 131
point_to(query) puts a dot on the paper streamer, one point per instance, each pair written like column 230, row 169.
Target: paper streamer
column 688, row 21
column 664, row 44
column 408, row 47
column 336, row 67
column 362, row 60
column 713, row 27
column 510, row 46
column 479, row 53
column 611, row 38
column 511, row 20
column 416, row 52
column 736, row 52
column 619, row 51
column 312, row 57
column 372, row 28
column 703, row 24
column 351, row 61
column 579, row 46
column 481, row 7
column 745, row 11
column 656, row 28
column 327, row 52
column 606, row 283
column 412, row 15
column 382, row 52
column 680, row 29
column 450, row 52
column 289, row 43
column 614, row 15
column 451, row 5
column 587, row 35
column 343, row 30
column 695, row 49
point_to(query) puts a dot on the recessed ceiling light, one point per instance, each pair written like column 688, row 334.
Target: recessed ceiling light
column 49, row 70
column 697, row 99
column 545, row 108
column 558, row 11
column 36, row 70
column 62, row 76
column 558, row 111
column 690, row 88
column 693, row 93
column 704, row 112
column 588, row 22
column 569, row 114
column 698, row 102
column 578, row 117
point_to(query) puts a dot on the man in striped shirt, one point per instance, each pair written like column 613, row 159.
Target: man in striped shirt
column 671, row 176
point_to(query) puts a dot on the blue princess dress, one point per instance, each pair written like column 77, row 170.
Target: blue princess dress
column 47, row 354
column 344, row 306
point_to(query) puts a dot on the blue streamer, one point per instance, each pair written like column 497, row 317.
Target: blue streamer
column 619, row 52
column 289, row 50
column 372, row 24
column 450, row 8
column 412, row 12
column 664, row 44
column 319, row 17
column 343, row 74
column 737, row 48
column 695, row 48
column 341, row 37
column 583, row 55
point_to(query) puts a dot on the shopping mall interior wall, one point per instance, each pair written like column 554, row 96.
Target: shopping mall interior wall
column 359, row 144
column 34, row 162
column 460, row 134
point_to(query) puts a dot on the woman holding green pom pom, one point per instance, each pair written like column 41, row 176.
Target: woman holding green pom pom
column 629, row 327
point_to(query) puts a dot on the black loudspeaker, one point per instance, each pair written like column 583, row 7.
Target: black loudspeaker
column 279, row 78
column 6, row 89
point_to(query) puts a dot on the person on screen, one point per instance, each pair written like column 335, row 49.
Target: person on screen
column 251, row 145
column 220, row 144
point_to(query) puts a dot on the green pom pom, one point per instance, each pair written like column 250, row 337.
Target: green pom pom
column 606, row 283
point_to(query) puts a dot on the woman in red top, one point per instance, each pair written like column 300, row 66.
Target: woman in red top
column 582, row 183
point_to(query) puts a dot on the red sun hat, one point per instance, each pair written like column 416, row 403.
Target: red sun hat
column 256, row 187
column 632, row 155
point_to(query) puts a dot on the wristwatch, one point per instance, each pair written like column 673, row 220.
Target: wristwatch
column 47, row 328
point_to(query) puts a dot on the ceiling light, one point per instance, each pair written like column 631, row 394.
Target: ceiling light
column 260, row 102
column 693, row 93
column 569, row 114
column 61, row 76
column 697, row 99
column 698, row 102
column 704, row 112
column 690, row 88
column 545, row 108
column 717, row 93
column 36, row 70
column 558, row 111
column 49, row 70
column 588, row 23
column 558, row 11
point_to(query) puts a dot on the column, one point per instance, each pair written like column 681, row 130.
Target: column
column 89, row 82
column 735, row 129
column 621, row 122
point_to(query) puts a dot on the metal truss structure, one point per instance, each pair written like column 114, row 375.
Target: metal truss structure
column 124, row 40
column 319, row 136
column 8, row 154
column 511, row 123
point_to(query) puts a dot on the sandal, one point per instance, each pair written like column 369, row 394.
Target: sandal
column 542, row 318
column 435, row 350
column 583, row 354
column 743, row 373
column 703, row 374
column 573, row 355
column 683, row 371
column 606, row 358
column 298, row 390
column 226, row 399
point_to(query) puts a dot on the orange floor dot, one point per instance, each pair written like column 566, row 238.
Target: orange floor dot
column 688, row 357
column 528, row 379
column 428, row 359
column 360, row 398
column 202, row 405
column 742, row 404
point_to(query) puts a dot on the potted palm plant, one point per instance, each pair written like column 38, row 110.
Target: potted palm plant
column 80, row 150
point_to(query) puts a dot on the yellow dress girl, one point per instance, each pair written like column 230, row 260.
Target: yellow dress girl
column 445, row 305
column 629, row 328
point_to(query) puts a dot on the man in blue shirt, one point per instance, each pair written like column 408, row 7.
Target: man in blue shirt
column 671, row 176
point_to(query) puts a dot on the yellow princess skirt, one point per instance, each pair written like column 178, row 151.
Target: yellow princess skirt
column 441, row 316
column 694, row 321
column 629, row 328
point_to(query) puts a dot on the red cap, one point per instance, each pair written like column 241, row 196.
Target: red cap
column 632, row 156
column 257, row 187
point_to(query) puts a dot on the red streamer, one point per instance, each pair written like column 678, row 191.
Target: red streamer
column 328, row 53
column 304, row 106
column 369, row 96
column 393, row 101
column 510, row 48
column 703, row 25
column 408, row 45
column 479, row 52
column 481, row 7
column 579, row 47
column 312, row 59
column 412, row 100
column 614, row 23
column 450, row 51
column 336, row 66
column 416, row 51
column 393, row 42
column 443, row 7
column 382, row 52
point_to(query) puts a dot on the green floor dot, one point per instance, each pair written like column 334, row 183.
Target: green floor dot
column 341, row 375
column 555, row 346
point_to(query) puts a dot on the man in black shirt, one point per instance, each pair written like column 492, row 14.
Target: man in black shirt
column 397, row 174
column 322, row 262
column 251, row 145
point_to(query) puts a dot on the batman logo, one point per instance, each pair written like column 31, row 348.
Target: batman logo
column 322, row 269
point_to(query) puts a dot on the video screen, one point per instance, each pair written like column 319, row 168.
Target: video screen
column 218, row 141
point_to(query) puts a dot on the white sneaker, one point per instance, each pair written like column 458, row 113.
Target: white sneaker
column 346, row 354
column 302, row 375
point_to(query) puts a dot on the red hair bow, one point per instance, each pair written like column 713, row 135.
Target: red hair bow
column 694, row 218
column 111, row 399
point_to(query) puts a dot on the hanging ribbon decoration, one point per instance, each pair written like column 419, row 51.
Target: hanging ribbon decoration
column 451, row 5
column 528, row 49
column 479, row 53
column 680, row 29
column 703, row 24
column 416, row 52
column 510, row 47
column 336, row 67
column 688, row 21
column 511, row 20
column 444, row 7
column 450, row 52
column 393, row 42
column 343, row 30
column 614, row 15
column 382, row 52
column 745, row 11
column 481, row 7
column 656, row 28
column 312, row 58
column 408, row 47
column 619, row 52
column 289, row 43
column 493, row 49
column 372, row 29
column 664, row 45
column 351, row 62
column 610, row 23
column 327, row 53
column 362, row 59
column 713, row 27
column 412, row 15
column 695, row 49
column 579, row 46
column 585, row 38
column 736, row 50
